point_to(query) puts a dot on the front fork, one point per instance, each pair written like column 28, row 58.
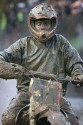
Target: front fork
column 32, row 119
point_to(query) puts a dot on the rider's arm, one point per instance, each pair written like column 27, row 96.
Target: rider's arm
column 10, row 62
column 73, row 61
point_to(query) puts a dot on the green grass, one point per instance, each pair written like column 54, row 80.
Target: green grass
column 77, row 42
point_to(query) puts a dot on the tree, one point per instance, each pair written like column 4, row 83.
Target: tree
column 2, row 5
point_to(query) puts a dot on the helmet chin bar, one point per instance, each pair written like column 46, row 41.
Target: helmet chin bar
column 42, row 37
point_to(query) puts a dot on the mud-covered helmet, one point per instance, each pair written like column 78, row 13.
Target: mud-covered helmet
column 42, row 11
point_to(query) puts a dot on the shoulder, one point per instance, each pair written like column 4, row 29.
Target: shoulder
column 23, row 41
column 61, row 40
column 20, row 43
column 63, row 43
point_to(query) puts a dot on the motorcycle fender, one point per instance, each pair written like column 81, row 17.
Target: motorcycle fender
column 55, row 118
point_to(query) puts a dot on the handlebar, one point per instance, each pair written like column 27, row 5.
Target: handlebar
column 44, row 75
column 77, row 83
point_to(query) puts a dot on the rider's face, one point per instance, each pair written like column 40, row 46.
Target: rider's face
column 44, row 24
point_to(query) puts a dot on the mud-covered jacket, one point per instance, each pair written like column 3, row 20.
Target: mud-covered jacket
column 55, row 56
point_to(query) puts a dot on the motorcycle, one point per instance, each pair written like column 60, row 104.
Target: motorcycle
column 45, row 95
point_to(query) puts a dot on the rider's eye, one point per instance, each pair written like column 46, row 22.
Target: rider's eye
column 46, row 23
column 38, row 23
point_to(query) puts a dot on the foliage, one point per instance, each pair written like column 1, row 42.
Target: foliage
column 2, row 5
column 77, row 42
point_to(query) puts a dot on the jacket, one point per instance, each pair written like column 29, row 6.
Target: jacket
column 55, row 56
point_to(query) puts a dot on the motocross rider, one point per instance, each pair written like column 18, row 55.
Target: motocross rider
column 43, row 51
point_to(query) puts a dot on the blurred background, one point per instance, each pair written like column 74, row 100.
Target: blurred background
column 13, row 25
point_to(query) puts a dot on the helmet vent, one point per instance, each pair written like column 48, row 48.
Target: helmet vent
column 39, row 13
column 43, row 36
column 42, row 8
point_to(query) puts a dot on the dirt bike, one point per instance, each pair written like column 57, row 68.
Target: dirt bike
column 45, row 95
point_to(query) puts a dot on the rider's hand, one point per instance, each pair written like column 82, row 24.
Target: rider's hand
column 80, row 78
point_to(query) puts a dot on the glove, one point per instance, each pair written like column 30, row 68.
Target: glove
column 79, row 77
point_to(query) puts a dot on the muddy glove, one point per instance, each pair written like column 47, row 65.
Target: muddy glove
column 11, row 70
column 80, row 78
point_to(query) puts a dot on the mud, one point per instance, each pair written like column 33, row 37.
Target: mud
column 74, row 95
